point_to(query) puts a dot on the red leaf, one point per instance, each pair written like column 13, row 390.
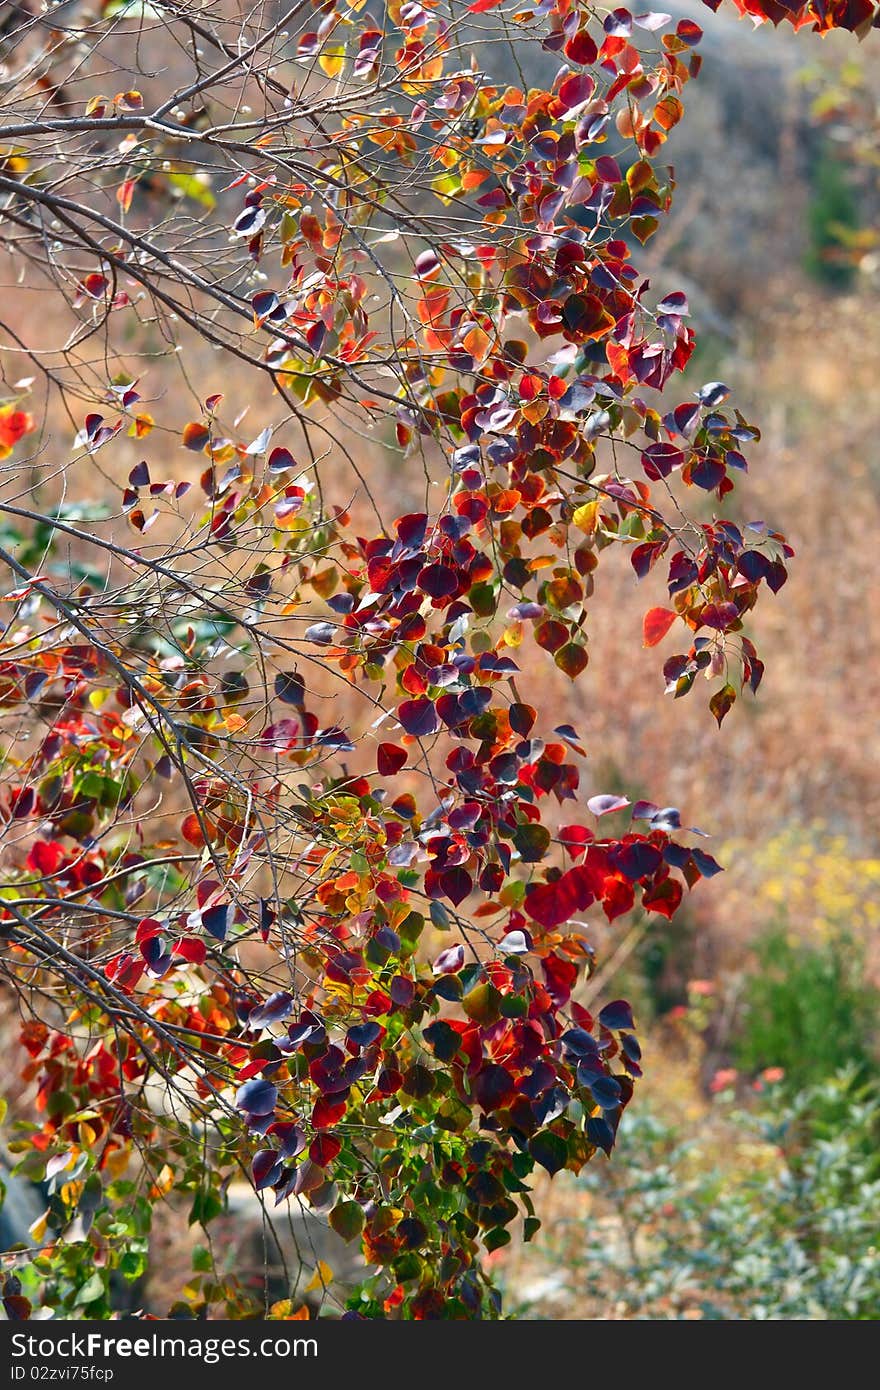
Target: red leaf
column 191, row 829
column 390, row 758
column 456, row 884
column 719, row 615
column 560, row 976
column 551, row 635
column 551, row 904
column 146, row 928
column 324, row 1149
column 618, row 897
column 44, row 858
column 663, row 897
column 657, row 623
column 190, row 949
column 124, row 194
column 328, row 1111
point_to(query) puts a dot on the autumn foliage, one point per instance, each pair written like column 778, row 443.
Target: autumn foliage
column 298, row 871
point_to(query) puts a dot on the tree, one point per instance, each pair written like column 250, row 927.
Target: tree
column 294, row 863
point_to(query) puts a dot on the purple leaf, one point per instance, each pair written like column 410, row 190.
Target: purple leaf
column 215, row 920
column 713, row 393
column 292, row 1136
column 707, row 866
column 638, row 860
column 617, row 1014
column 276, row 1007
column 362, row 1034
column 256, row 1097
column 265, row 1168
column 418, row 717
column 280, row 461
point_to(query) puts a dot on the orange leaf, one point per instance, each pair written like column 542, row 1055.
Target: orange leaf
column 196, row 436
column 13, row 424
column 191, row 829
column 477, row 342
column 668, row 112
column 141, row 425
column 125, row 193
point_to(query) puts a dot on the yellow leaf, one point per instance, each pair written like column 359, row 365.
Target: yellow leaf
column 321, row 1279
column 286, row 1311
column 37, row 1231
column 585, row 517
column 116, row 1163
column 290, row 522
column 331, row 60
column 235, row 723
column 164, row 1181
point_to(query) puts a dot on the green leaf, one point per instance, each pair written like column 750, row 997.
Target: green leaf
column 196, row 189
column 91, row 1291
column 549, row 1150
column 347, row 1219
column 494, row 1239
column 483, row 1004
column 206, row 1205
column 532, row 841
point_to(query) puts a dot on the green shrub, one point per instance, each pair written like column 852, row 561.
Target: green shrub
column 807, row 1009
column 772, row 1213
column 832, row 217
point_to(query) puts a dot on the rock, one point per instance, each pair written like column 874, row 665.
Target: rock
column 275, row 1253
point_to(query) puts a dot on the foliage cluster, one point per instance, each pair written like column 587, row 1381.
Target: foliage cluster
column 296, row 867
